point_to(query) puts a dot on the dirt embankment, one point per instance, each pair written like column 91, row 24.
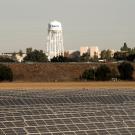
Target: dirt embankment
column 49, row 72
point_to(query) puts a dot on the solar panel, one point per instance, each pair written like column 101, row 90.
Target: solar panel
column 124, row 131
column 42, row 129
column 62, row 128
column 20, row 131
column 67, row 112
column 103, row 132
column 81, row 133
column 8, row 131
column 31, row 129
column 92, row 132
column 113, row 131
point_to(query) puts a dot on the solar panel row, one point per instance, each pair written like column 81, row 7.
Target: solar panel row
column 69, row 112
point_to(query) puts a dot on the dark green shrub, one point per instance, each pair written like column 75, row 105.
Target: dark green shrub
column 103, row 73
column 59, row 59
column 88, row 74
column 6, row 59
column 115, row 73
column 5, row 73
column 126, row 71
column 35, row 56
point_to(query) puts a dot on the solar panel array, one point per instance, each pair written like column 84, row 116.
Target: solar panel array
column 67, row 112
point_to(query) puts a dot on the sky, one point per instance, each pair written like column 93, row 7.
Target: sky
column 102, row 23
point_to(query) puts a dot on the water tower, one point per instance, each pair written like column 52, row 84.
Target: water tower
column 55, row 40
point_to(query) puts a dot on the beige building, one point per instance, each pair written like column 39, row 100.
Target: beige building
column 91, row 50
column 94, row 51
column 83, row 50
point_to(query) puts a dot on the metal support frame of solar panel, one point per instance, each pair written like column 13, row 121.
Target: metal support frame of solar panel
column 70, row 113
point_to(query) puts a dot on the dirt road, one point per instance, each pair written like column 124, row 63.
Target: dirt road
column 66, row 85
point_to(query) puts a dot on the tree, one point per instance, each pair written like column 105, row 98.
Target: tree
column 28, row 50
column 85, row 57
column 132, row 51
column 88, row 74
column 131, row 57
column 126, row 71
column 120, row 55
column 20, row 53
column 103, row 54
column 6, row 73
column 6, row 59
column 13, row 56
column 125, row 47
column 103, row 73
column 35, row 55
column 106, row 54
column 115, row 73
column 59, row 59
column 95, row 58
column 75, row 56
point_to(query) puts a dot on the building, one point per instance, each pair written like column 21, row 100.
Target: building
column 93, row 51
column 83, row 50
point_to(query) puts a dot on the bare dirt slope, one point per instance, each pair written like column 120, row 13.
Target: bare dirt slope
column 49, row 72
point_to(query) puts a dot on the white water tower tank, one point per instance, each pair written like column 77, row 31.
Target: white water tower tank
column 55, row 40
column 55, row 26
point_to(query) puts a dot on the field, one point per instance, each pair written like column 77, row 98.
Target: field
column 66, row 85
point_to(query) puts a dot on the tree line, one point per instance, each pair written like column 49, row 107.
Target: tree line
column 124, row 71
column 34, row 55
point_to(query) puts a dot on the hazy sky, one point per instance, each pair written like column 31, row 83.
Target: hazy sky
column 103, row 23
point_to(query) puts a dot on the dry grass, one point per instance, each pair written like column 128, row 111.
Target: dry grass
column 66, row 85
